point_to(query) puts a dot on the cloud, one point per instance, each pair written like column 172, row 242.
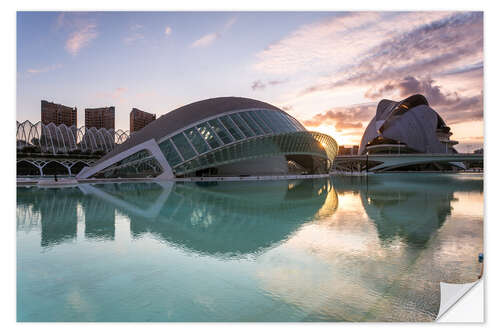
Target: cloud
column 465, row 69
column 259, row 85
column 383, row 55
column 81, row 37
column 44, row 69
column 168, row 31
column 276, row 82
column 229, row 24
column 350, row 117
column 334, row 43
column 60, row 20
column 205, row 40
column 451, row 105
column 410, row 86
column 446, row 44
column 80, row 29
column 211, row 37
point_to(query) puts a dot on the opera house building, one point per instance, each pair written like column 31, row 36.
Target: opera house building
column 408, row 126
column 226, row 136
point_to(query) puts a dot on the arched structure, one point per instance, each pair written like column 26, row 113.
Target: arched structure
column 43, row 166
column 226, row 136
column 408, row 126
column 62, row 139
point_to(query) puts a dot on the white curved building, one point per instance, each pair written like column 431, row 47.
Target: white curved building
column 408, row 126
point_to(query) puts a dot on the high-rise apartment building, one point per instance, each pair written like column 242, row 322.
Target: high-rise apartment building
column 58, row 114
column 139, row 119
column 100, row 117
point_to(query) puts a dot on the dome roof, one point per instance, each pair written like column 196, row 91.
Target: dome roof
column 186, row 115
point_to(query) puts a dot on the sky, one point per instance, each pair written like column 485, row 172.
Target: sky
column 327, row 69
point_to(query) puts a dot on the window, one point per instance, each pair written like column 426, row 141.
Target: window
column 231, row 126
column 242, row 125
column 183, row 146
column 256, row 116
column 287, row 122
column 170, row 153
column 251, row 123
column 276, row 122
column 208, row 134
column 196, row 139
column 220, row 131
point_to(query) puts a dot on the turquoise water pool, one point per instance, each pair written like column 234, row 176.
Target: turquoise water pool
column 332, row 249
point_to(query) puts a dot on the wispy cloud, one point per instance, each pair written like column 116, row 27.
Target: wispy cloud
column 260, row 85
column 384, row 55
column 60, row 20
column 81, row 30
column 441, row 45
column 205, row 40
column 209, row 38
column 229, row 23
column 81, row 38
column 168, row 31
column 337, row 42
column 44, row 69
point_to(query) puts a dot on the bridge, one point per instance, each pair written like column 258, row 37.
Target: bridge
column 48, row 165
column 387, row 162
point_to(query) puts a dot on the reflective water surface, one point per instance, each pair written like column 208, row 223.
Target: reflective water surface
column 333, row 249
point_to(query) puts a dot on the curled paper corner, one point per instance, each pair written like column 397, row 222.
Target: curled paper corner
column 451, row 293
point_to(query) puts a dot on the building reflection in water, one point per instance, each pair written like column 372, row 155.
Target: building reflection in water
column 408, row 207
column 234, row 218
column 56, row 212
column 56, row 209
column 383, row 253
column 99, row 219
column 212, row 218
column 345, row 248
column 223, row 219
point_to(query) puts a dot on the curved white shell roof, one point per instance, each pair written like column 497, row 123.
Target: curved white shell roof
column 411, row 121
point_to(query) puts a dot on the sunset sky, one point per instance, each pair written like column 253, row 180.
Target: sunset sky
column 327, row 69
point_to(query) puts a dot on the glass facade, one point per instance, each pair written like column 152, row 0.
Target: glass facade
column 231, row 126
column 167, row 148
column 221, row 132
column 195, row 137
column 253, row 125
column 242, row 125
column 183, row 146
column 225, row 130
column 297, row 143
column 209, row 135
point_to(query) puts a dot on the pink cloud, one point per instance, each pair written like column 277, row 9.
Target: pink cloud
column 211, row 37
column 44, row 69
column 81, row 38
